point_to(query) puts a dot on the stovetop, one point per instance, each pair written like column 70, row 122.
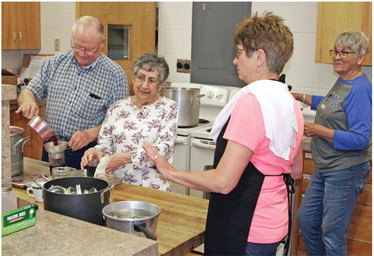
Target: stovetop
column 187, row 130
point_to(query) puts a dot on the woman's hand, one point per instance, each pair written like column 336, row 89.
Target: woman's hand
column 116, row 160
column 89, row 155
column 311, row 129
column 161, row 163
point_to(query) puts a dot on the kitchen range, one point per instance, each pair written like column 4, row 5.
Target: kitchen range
column 194, row 150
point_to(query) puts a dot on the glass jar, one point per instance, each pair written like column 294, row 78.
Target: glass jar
column 60, row 172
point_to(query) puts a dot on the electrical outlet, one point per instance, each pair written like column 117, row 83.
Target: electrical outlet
column 183, row 66
column 180, row 64
column 57, row 45
column 186, row 66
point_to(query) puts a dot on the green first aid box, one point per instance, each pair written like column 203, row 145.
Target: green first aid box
column 18, row 219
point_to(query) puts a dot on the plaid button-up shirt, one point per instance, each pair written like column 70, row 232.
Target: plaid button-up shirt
column 78, row 98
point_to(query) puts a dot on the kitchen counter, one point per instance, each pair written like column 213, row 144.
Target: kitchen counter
column 55, row 234
column 180, row 228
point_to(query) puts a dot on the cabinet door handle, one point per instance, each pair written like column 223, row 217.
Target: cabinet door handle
column 20, row 36
column 14, row 36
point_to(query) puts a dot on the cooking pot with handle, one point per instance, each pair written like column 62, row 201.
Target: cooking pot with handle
column 188, row 100
column 17, row 141
column 133, row 217
column 87, row 207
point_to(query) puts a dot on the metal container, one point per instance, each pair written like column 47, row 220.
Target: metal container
column 87, row 207
column 17, row 141
column 133, row 217
column 188, row 100
column 41, row 128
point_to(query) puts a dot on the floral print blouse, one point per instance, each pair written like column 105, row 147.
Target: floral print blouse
column 126, row 127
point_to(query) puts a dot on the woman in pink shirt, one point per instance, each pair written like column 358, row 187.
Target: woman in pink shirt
column 258, row 136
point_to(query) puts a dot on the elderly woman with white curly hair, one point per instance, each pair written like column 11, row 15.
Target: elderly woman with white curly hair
column 144, row 116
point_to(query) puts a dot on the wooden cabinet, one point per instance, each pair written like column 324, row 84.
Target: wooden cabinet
column 34, row 147
column 21, row 25
column 360, row 229
column 336, row 17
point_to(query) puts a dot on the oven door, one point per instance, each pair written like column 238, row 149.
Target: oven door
column 181, row 160
column 202, row 154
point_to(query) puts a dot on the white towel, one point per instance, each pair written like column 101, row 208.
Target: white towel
column 279, row 116
column 100, row 169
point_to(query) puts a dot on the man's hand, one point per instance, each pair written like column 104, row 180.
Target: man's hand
column 27, row 104
column 79, row 140
column 83, row 138
column 28, row 109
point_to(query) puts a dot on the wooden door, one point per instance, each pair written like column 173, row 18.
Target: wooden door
column 140, row 16
column 336, row 17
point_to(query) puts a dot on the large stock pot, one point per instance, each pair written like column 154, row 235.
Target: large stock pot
column 188, row 100
column 17, row 141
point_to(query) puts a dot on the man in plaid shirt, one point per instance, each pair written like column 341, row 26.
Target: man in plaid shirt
column 79, row 87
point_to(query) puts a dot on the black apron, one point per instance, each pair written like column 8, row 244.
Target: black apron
column 230, row 216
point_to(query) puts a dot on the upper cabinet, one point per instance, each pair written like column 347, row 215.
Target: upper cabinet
column 336, row 17
column 21, row 25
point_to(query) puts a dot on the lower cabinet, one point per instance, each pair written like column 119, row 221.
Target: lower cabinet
column 34, row 147
column 360, row 230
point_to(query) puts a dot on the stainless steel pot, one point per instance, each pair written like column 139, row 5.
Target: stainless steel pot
column 133, row 217
column 17, row 141
column 87, row 207
column 188, row 100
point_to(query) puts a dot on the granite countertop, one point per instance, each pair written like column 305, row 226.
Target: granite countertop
column 56, row 234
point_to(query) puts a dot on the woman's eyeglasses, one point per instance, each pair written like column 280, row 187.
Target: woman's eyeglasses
column 342, row 54
column 141, row 79
column 238, row 52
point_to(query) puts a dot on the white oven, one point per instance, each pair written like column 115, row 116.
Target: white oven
column 194, row 149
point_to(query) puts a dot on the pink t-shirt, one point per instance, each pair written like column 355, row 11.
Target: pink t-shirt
column 246, row 127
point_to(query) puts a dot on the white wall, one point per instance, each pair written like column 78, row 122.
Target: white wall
column 175, row 24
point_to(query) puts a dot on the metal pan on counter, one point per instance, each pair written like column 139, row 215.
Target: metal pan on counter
column 87, row 207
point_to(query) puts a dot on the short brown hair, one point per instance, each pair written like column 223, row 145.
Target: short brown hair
column 269, row 33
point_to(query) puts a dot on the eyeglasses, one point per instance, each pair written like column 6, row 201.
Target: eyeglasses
column 342, row 54
column 238, row 52
column 85, row 50
column 141, row 79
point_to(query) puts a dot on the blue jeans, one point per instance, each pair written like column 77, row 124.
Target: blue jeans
column 326, row 211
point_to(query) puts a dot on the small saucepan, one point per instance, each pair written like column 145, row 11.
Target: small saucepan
column 41, row 128
column 133, row 217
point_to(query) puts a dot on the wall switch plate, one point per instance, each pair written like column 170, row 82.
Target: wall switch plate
column 57, row 45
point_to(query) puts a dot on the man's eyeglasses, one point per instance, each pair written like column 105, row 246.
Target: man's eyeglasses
column 342, row 54
column 85, row 50
column 141, row 79
column 238, row 52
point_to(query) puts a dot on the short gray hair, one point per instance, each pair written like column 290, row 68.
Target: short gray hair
column 86, row 22
column 354, row 40
column 151, row 62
